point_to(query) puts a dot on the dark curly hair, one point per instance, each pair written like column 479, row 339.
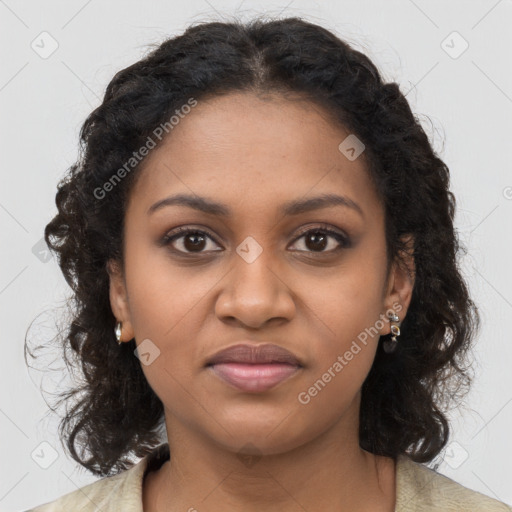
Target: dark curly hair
column 116, row 413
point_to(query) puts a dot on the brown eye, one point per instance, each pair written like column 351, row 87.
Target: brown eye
column 318, row 239
column 190, row 240
column 186, row 240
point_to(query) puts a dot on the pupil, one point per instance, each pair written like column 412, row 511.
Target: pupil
column 317, row 237
column 198, row 239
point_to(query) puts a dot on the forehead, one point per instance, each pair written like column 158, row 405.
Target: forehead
column 259, row 151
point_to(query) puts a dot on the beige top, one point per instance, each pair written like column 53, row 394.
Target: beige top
column 419, row 489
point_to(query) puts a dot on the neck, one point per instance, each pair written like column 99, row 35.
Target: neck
column 331, row 472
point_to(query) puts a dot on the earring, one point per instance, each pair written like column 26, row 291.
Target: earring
column 118, row 332
column 390, row 345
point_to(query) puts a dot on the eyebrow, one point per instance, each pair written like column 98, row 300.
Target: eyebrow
column 289, row 208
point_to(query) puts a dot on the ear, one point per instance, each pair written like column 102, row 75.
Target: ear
column 119, row 299
column 400, row 285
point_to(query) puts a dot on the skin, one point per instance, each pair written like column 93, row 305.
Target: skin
column 253, row 154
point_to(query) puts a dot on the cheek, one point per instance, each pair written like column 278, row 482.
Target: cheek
column 347, row 319
column 333, row 393
column 167, row 308
column 340, row 367
column 163, row 295
column 344, row 306
column 170, row 305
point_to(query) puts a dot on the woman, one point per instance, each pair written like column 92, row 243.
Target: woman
column 263, row 226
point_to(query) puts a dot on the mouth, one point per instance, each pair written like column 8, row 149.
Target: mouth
column 254, row 378
column 254, row 369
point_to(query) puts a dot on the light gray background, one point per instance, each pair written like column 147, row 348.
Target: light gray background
column 468, row 98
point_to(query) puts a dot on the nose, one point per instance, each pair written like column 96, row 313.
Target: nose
column 255, row 293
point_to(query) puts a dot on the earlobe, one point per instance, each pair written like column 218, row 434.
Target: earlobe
column 119, row 299
column 401, row 283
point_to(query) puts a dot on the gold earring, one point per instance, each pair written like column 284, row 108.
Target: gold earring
column 390, row 345
column 118, row 332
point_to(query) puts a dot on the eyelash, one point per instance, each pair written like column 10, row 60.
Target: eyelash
column 181, row 232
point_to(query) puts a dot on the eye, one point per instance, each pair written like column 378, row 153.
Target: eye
column 317, row 239
column 190, row 240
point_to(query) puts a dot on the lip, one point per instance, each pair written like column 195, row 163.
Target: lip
column 246, row 353
column 254, row 368
column 254, row 378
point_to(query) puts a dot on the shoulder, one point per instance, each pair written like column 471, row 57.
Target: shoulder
column 97, row 496
column 118, row 492
column 421, row 489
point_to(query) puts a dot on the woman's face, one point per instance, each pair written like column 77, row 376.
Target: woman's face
column 256, row 275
